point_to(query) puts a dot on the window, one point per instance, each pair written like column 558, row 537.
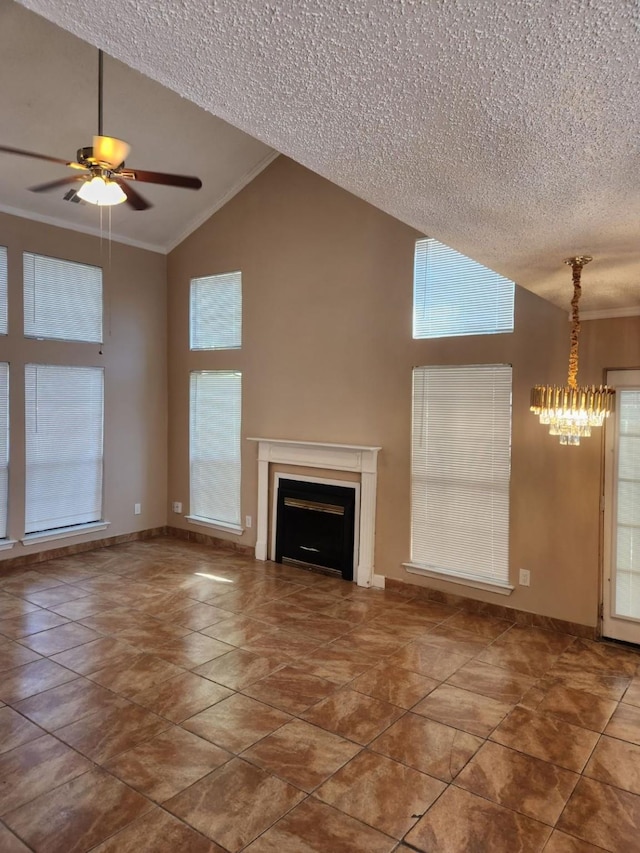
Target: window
column 216, row 312
column 215, row 410
column 4, row 447
column 461, row 459
column 3, row 290
column 453, row 295
column 62, row 299
column 64, row 421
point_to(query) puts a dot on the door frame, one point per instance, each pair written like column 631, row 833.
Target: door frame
column 623, row 628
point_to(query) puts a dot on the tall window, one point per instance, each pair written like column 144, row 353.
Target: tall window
column 64, row 422
column 4, row 447
column 214, row 447
column 461, row 460
column 3, row 290
column 216, row 312
column 453, row 295
column 62, row 299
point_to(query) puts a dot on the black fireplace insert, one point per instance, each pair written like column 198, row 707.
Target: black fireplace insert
column 315, row 525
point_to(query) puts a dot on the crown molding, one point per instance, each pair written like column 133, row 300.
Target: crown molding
column 610, row 313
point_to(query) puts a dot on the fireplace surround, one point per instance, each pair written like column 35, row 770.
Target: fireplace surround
column 361, row 459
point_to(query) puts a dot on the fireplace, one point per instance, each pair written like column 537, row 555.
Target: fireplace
column 361, row 460
column 315, row 524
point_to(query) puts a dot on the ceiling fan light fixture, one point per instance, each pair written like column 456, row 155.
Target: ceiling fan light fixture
column 110, row 151
column 102, row 191
column 571, row 411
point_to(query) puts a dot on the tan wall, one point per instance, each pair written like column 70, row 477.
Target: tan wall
column 327, row 356
column 134, row 358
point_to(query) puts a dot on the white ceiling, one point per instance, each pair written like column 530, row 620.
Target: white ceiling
column 508, row 129
column 49, row 104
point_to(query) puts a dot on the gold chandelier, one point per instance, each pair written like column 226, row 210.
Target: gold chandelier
column 571, row 411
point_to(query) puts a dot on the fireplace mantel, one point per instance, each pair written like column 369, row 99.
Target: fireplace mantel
column 358, row 458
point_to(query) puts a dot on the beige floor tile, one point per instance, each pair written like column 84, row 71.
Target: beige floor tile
column 13, row 654
column 301, row 754
column 67, row 703
column 35, row 768
column 292, row 689
column 235, row 804
column 381, row 793
column 391, row 684
column 314, row 827
column 603, row 815
column 16, row 729
column 9, row 843
column 353, row 715
column 625, row 723
column 236, row 723
column 462, row 709
column 615, row 762
column 78, row 814
column 492, row 681
column 546, row 738
column 535, row 788
column 181, row 696
column 572, row 706
column 165, row 765
column 112, row 730
column 32, row 678
column 237, row 669
column 427, row 746
column 461, row 822
column 159, row 832
column 107, row 651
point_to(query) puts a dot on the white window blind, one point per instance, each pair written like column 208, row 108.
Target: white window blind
column 4, row 447
column 627, row 538
column 461, row 459
column 64, row 423
column 453, row 295
column 215, row 412
column 62, row 299
column 3, row 290
column 216, row 312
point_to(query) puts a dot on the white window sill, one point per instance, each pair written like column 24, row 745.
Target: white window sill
column 64, row 532
column 459, row 578
column 215, row 525
column 7, row 544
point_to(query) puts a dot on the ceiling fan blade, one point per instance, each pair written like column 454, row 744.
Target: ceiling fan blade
column 134, row 199
column 7, row 150
column 53, row 185
column 186, row 181
column 109, row 150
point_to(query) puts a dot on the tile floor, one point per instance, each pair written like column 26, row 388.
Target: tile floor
column 164, row 697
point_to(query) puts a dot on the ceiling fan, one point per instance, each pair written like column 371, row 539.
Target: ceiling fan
column 101, row 171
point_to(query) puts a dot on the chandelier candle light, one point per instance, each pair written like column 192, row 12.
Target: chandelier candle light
column 571, row 411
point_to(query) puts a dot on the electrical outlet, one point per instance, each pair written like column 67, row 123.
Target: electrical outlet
column 176, row 506
column 137, row 509
column 525, row 577
column 248, row 521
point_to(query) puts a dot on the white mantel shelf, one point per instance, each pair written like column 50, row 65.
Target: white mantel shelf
column 359, row 458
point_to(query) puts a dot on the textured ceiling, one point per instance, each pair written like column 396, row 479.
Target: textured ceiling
column 508, row 129
column 48, row 104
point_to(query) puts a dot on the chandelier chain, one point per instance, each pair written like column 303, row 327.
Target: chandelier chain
column 572, row 380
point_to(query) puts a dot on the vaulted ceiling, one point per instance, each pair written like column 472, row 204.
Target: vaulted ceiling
column 507, row 129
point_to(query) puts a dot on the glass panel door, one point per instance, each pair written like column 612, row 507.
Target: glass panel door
column 621, row 576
